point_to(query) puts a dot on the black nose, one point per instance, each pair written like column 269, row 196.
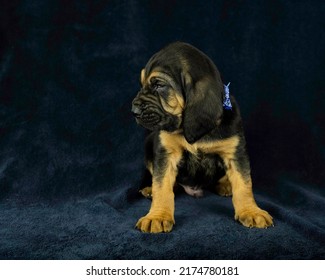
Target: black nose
column 136, row 111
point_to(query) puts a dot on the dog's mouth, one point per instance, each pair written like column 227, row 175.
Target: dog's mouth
column 148, row 119
column 153, row 118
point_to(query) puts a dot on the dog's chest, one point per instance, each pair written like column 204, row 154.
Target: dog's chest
column 200, row 169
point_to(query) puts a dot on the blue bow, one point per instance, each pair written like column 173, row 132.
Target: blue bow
column 226, row 99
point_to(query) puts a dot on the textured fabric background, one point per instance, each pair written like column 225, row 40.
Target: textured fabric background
column 72, row 155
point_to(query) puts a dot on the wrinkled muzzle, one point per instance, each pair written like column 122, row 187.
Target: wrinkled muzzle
column 146, row 112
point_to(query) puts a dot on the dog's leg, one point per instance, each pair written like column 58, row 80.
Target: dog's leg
column 161, row 214
column 223, row 187
column 236, row 163
column 146, row 189
column 246, row 209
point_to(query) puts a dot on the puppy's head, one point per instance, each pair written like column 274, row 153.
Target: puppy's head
column 181, row 91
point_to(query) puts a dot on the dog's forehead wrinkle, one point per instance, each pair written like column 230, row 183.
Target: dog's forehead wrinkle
column 161, row 75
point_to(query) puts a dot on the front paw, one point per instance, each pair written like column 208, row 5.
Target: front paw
column 254, row 217
column 155, row 223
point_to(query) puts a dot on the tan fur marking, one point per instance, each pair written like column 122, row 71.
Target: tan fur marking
column 142, row 79
column 180, row 100
column 246, row 209
column 161, row 214
column 152, row 75
column 226, row 148
column 174, row 104
column 158, row 74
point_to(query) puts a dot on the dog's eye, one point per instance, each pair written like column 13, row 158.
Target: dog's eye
column 158, row 86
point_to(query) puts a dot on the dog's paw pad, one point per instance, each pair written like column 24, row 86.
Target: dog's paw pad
column 155, row 225
column 254, row 217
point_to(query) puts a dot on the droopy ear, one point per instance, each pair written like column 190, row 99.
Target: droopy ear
column 203, row 107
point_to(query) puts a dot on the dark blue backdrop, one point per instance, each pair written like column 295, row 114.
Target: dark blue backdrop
column 71, row 153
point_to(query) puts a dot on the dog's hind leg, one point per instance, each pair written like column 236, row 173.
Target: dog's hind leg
column 223, row 188
column 146, row 192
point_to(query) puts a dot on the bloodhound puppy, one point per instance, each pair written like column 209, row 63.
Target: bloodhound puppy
column 196, row 140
